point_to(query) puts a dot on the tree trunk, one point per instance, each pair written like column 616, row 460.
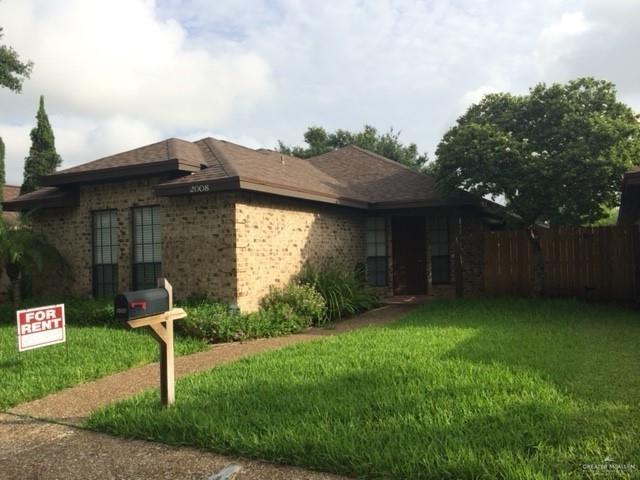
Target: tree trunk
column 537, row 271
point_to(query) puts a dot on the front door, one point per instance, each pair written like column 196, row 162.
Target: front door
column 409, row 255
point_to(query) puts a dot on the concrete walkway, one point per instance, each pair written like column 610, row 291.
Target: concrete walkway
column 38, row 439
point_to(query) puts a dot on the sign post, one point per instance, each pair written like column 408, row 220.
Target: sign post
column 40, row 327
column 161, row 326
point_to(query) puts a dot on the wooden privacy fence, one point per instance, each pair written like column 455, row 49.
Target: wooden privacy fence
column 600, row 263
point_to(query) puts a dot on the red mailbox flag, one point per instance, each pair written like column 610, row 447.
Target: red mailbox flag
column 40, row 326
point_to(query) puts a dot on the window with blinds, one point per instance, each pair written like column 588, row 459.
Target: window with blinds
column 105, row 253
column 376, row 252
column 147, row 253
column 439, row 240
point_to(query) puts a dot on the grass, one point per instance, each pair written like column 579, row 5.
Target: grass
column 469, row 389
column 89, row 353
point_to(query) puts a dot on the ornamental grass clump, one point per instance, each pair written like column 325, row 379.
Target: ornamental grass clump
column 305, row 301
column 344, row 293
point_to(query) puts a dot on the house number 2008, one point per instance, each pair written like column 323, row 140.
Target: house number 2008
column 199, row 188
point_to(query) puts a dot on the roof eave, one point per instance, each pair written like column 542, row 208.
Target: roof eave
column 54, row 200
column 204, row 186
column 118, row 173
column 436, row 202
column 253, row 185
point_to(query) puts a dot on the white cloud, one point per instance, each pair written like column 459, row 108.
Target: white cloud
column 99, row 58
column 474, row 96
column 78, row 140
column 118, row 74
column 570, row 24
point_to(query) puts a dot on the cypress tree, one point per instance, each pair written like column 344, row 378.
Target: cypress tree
column 43, row 158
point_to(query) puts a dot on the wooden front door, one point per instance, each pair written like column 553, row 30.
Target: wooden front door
column 408, row 237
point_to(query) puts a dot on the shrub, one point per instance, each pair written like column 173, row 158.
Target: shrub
column 217, row 322
column 344, row 293
column 211, row 321
column 278, row 319
column 305, row 301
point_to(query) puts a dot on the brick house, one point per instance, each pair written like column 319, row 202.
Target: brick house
column 227, row 222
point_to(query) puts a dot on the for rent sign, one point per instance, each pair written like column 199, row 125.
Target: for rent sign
column 41, row 326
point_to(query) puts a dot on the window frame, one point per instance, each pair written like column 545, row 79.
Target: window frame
column 98, row 288
column 138, row 281
column 379, row 277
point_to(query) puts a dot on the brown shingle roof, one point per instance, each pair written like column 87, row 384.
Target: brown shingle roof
column 266, row 170
column 169, row 155
column 377, row 179
column 349, row 176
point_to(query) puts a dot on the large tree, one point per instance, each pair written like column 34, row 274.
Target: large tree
column 387, row 144
column 43, row 158
column 13, row 72
column 556, row 155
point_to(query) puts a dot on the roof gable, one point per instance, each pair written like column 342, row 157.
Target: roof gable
column 376, row 178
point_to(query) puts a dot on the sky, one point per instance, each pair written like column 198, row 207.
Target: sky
column 120, row 74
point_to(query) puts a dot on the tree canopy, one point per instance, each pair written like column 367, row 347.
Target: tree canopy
column 13, row 71
column 556, row 155
column 387, row 144
column 43, row 158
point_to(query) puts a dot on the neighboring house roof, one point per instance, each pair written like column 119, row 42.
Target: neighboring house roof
column 629, row 211
column 348, row 176
column 9, row 192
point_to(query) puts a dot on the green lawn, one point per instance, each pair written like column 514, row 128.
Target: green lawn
column 90, row 352
column 468, row 389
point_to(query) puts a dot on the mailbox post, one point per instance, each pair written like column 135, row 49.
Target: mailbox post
column 154, row 309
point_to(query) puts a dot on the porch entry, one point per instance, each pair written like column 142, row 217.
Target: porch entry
column 409, row 250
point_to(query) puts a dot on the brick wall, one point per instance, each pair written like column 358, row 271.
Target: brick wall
column 233, row 246
column 276, row 236
column 197, row 238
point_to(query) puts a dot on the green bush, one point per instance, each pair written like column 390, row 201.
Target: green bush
column 211, row 321
column 305, row 301
column 217, row 322
column 279, row 319
column 344, row 292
